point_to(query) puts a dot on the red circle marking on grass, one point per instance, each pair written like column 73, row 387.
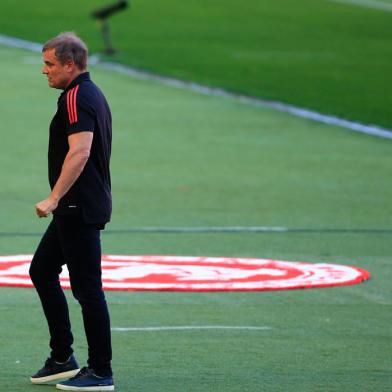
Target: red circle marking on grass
column 188, row 273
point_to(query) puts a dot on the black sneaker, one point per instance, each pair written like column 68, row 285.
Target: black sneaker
column 87, row 380
column 55, row 371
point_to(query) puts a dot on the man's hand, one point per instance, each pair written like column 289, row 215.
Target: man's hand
column 45, row 207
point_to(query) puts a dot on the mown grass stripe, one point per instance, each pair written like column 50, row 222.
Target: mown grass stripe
column 212, row 91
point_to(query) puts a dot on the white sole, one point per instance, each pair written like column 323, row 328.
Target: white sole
column 55, row 377
column 69, row 388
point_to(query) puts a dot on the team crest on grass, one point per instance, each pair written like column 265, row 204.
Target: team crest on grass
column 197, row 273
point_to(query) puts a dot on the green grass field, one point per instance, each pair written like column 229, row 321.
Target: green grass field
column 182, row 159
column 323, row 55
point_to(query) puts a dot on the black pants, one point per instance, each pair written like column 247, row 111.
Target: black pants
column 68, row 240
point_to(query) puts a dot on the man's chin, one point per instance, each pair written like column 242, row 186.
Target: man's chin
column 53, row 85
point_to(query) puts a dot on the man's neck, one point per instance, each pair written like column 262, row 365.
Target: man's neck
column 74, row 75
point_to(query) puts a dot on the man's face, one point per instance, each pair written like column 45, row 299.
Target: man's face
column 59, row 75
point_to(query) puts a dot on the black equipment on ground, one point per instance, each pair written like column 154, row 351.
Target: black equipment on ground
column 102, row 15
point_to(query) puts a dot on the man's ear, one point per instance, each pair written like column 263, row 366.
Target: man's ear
column 69, row 66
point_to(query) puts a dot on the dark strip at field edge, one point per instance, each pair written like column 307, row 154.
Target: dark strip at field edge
column 221, row 230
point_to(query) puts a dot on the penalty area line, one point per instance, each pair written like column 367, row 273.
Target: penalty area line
column 296, row 111
column 190, row 328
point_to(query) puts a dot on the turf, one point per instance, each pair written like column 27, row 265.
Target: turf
column 324, row 55
column 184, row 159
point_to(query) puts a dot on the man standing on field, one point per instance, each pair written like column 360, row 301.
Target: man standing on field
column 80, row 201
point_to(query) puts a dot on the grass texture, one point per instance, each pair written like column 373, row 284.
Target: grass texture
column 324, row 55
column 182, row 159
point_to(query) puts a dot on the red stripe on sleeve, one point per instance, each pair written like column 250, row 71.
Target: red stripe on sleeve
column 69, row 106
column 74, row 104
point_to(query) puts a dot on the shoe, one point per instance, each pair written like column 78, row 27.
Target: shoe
column 86, row 380
column 55, row 371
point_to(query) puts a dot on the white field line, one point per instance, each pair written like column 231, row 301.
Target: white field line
column 373, row 4
column 372, row 130
column 240, row 229
column 279, row 106
column 206, row 229
column 189, row 328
